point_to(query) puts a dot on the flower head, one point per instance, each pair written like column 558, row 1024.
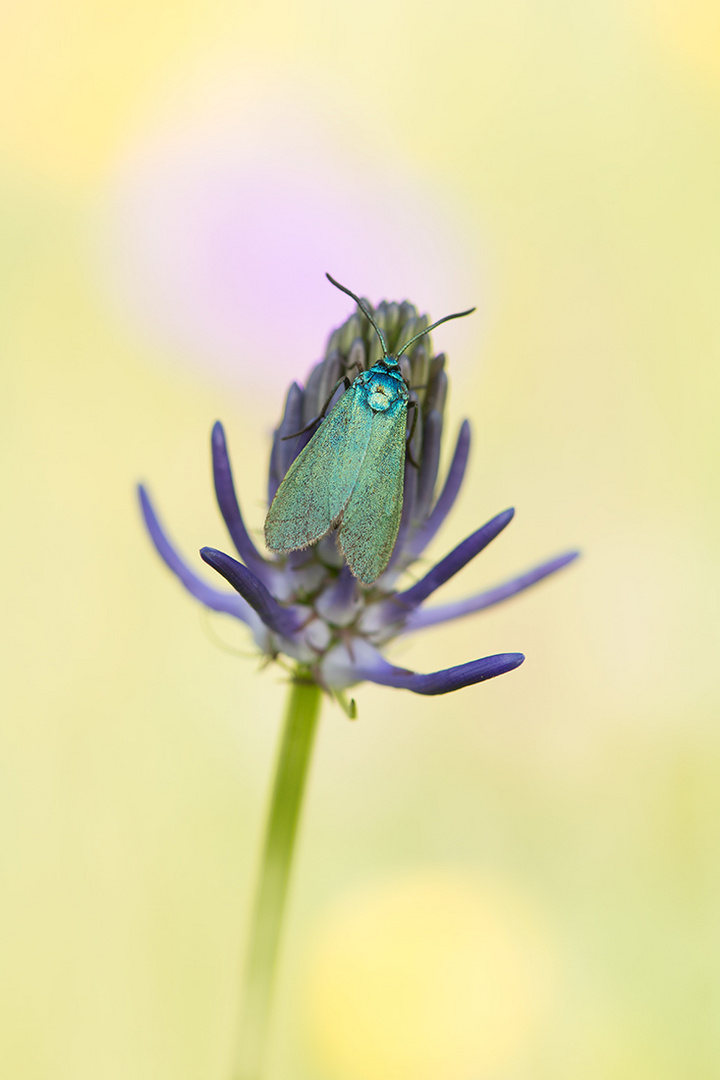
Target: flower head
column 307, row 605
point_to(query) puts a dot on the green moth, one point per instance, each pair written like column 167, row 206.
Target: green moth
column 351, row 473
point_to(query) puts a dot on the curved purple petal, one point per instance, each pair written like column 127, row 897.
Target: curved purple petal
column 420, row 620
column 432, row 431
column 456, row 560
column 229, row 507
column 352, row 662
column 422, row 536
column 440, row 682
column 312, row 403
column 280, row 620
column 283, row 449
column 230, row 603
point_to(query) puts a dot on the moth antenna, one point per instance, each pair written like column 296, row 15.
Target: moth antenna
column 361, row 304
column 446, row 318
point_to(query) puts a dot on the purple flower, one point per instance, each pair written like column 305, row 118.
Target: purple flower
column 307, row 605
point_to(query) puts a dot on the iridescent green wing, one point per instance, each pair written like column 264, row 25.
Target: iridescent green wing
column 318, row 484
column 371, row 518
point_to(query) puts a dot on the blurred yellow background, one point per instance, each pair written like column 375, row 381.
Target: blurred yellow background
column 519, row 881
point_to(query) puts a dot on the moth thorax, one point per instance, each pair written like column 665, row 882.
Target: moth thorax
column 380, row 396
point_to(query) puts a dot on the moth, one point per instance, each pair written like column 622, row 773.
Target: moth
column 351, row 473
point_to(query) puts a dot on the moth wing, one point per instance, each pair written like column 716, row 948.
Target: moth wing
column 371, row 518
column 318, row 484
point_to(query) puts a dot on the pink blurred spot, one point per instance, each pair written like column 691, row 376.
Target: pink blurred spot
column 219, row 231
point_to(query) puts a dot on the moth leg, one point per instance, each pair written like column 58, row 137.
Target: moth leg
column 412, row 404
column 316, row 420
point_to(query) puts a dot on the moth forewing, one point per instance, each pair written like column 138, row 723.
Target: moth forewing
column 371, row 519
column 320, row 481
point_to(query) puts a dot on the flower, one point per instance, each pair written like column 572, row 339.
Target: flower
column 307, row 605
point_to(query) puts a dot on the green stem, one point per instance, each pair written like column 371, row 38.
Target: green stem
column 291, row 772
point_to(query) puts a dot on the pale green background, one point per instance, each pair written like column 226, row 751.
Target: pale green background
column 564, row 818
